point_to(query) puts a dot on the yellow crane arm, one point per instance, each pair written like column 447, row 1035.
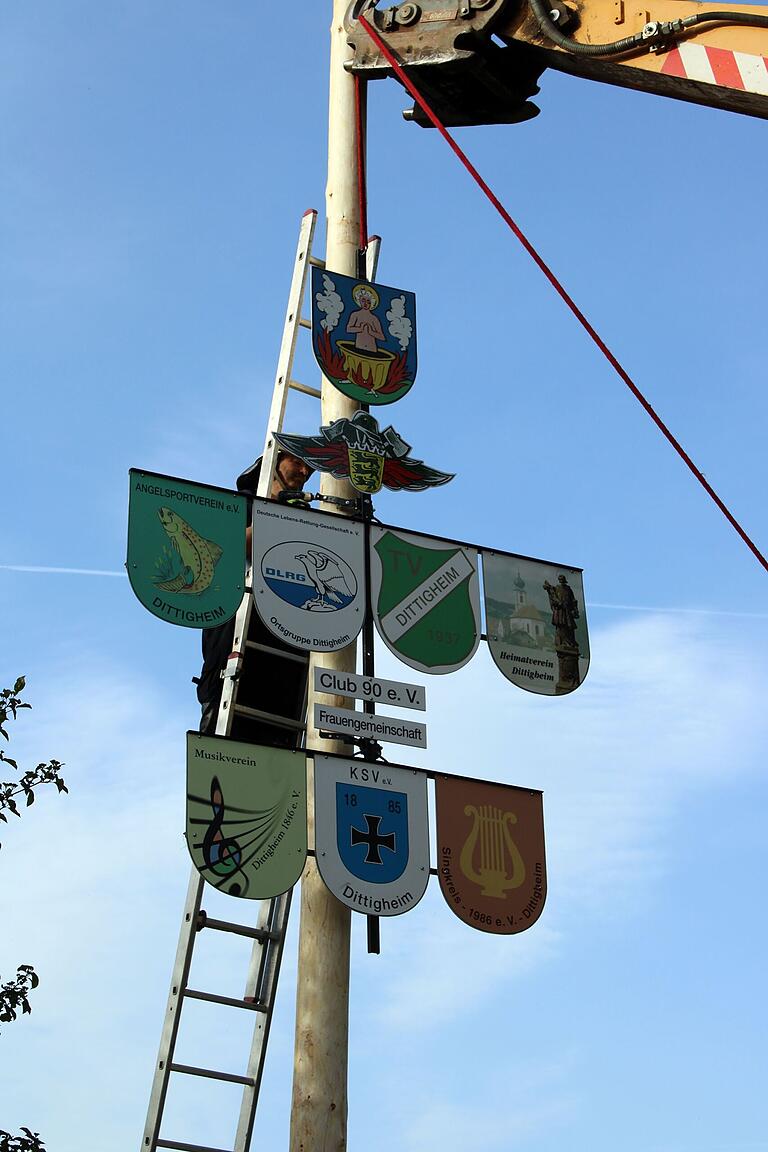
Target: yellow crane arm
column 479, row 61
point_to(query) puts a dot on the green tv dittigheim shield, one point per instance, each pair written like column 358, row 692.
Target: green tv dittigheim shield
column 246, row 815
column 186, row 549
column 426, row 598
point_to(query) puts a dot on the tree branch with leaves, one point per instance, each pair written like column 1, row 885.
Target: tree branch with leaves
column 14, row 994
column 10, row 705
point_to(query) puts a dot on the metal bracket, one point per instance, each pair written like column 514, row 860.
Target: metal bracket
column 467, row 77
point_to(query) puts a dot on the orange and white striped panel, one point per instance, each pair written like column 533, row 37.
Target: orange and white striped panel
column 718, row 66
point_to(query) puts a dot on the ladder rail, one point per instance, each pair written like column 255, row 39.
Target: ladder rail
column 172, row 1017
column 287, row 350
column 269, row 935
column 262, row 986
column 270, row 932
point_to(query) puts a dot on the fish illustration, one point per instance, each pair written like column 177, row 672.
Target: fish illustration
column 198, row 556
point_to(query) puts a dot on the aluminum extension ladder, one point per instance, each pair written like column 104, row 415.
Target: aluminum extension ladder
column 269, row 933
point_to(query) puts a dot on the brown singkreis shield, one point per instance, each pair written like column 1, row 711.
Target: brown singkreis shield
column 490, row 853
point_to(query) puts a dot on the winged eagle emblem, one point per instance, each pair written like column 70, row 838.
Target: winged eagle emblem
column 355, row 449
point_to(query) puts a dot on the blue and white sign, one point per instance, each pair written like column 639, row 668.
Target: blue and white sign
column 372, row 834
column 308, row 568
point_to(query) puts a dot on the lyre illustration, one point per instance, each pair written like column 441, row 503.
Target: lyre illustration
column 501, row 866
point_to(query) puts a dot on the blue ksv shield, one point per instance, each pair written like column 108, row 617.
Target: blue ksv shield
column 372, row 833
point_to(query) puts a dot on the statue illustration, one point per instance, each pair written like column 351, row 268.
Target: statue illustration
column 565, row 613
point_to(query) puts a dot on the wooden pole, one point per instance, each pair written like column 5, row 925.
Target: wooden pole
column 319, row 1103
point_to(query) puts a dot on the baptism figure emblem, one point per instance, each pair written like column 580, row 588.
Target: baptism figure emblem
column 364, row 336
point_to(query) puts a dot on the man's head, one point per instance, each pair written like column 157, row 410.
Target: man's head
column 291, row 474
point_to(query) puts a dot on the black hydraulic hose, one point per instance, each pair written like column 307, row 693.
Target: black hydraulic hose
column 542, row 13
column 755, row 21
column 653, row 32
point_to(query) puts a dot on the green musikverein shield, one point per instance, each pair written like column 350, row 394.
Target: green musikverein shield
column 186, row 549
column 246, row 815
column 426, row 599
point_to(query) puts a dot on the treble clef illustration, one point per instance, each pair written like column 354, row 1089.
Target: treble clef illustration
column 492, row 828
column 221, row 854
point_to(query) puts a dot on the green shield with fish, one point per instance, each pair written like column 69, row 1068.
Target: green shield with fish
column 186, row 549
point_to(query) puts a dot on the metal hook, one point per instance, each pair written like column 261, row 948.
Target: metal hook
column 357, row 8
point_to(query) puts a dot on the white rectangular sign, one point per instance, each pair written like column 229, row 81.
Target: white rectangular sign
column 393, row 692
column 345, row 722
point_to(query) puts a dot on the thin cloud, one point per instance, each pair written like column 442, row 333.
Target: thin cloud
column 60, row 571
column 676, row 611
column 651, row 608
column 644, row 733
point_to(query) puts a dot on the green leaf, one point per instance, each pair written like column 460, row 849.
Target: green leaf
column 20, row 685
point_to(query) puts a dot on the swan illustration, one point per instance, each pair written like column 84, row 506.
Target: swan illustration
column 330, row 583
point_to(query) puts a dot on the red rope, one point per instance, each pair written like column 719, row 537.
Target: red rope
column 411, row 88
column 362, row 199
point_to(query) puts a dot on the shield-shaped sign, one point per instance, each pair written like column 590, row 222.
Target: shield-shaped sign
column 490, row 853
column 536, row 622
column 357, row 450
column 372, row 834
column 426, row 598
column 186, row 549
column 364, row 336
column 246, row 815
column 308, row 575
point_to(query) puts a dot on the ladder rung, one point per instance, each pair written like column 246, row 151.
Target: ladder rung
column 305, row 323
column 268, row 718
column 210, row 1074
column 205, row 921
column 187, row 1147
column 214, row 998
column 298, row 657
column 316, row 262
column 305, row 388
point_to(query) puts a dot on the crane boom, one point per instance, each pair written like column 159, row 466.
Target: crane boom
column 479, row 61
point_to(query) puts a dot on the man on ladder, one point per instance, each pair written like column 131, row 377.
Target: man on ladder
column 273, row 681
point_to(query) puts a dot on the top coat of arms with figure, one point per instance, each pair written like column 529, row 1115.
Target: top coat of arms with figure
column 364, row 336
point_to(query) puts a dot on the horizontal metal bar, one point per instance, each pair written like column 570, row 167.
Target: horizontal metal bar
column 205, row 921
column 297, row 387
column 214, row 998
column 187, row 1147
column 316, row 262
column 298, row 657
column 211, row 1074
column 305, row 323
column 269, row 718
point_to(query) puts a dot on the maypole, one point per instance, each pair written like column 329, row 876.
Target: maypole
column 319, row 1103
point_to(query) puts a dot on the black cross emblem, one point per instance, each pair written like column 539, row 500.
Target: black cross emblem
column 373, row 840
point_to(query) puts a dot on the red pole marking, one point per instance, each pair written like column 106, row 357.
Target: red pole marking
column 362, row 199
column 411, row 88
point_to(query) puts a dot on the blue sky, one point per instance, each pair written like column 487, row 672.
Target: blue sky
column 156, row 161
